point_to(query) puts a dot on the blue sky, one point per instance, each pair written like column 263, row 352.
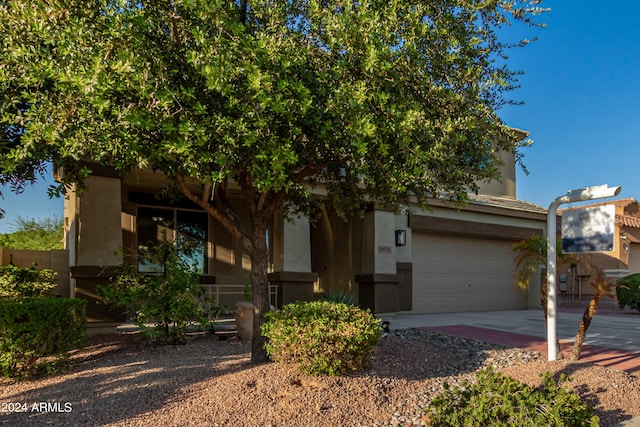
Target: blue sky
column 581, row 90
column 32, row 203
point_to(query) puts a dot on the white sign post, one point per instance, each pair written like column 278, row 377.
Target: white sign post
column 589, row 193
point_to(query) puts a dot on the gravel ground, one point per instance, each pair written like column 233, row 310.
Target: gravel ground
column 121, row 380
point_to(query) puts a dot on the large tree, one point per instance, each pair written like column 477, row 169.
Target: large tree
column 392, row 101
column 19, row 174
column 29, row 233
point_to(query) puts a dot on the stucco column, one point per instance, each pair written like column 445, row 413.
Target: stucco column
column 378, row 244
column 291, row 244
column 379, row 279
column 292, row 260
column 99, row 232
column 94, row 237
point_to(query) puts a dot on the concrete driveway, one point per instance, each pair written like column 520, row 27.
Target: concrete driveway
column 611, row 331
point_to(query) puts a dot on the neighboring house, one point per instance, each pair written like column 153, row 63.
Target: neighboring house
column 441, row 260
column 622, row 260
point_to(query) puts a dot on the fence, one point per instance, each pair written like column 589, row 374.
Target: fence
column 55, row 259
column 58, row 261
column 227, row 295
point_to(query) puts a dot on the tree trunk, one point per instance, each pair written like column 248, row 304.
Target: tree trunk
column 255, row 244
column 587, row 317
column 260, row 289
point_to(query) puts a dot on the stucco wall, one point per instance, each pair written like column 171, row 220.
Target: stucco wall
column 336, row 247
column 291, row 244
column 505, row 187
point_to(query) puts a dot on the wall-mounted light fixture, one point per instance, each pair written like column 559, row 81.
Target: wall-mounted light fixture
column 401, row 237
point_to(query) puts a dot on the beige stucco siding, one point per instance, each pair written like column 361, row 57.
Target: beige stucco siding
column 336, row 247
column 634, row 258
column 99, row 225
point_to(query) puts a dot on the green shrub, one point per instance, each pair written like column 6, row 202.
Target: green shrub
column 340, row 296
column 17, row 282
column 33, row 328
column 322, row 337
column 497, row 400
column 628, row 291
column 170, row 300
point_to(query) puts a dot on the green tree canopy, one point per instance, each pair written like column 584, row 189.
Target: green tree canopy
column 29, row 233
column 392, row 101
column 21, row 173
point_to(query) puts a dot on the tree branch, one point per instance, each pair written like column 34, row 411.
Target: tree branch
column 174, row 25
column 248, row 192
column 269, row 207
column 276, row 203
column 243, row 11
column 308, row 171
column 206, row 191
column 261, row 201
column 223, row 213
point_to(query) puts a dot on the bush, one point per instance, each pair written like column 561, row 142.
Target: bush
column 16, row 282
column 33, row 328
column 340, row 296
column 628, row 291
column 496, row 400
column 170, row 300
column 322, row 337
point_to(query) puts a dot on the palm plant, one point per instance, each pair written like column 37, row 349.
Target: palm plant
column 602, row 287
column 531, row 253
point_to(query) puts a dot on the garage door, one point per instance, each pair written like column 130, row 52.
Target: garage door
column 452, row 274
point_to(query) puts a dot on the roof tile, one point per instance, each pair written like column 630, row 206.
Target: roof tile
column 505, row 202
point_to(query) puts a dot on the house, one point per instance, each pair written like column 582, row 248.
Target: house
column 440, row 260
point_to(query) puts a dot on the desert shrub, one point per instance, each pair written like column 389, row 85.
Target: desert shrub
column 628, row 291
column 170, row 300
column 340, row 296
column 497, row 400
column 33, row 328
column 16, row 282
column 321, row 337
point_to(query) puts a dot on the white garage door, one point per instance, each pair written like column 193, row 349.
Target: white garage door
column 454, row 274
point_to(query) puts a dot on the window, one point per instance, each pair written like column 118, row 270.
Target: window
column 188, row 229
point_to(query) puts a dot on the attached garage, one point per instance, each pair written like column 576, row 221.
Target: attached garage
column 454, row 273
column 462, row 260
